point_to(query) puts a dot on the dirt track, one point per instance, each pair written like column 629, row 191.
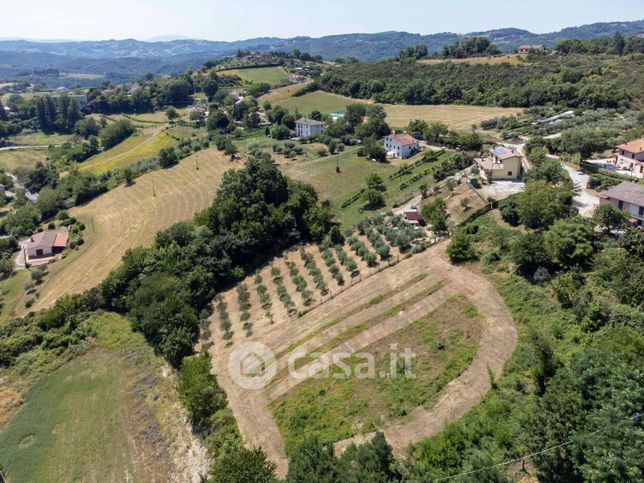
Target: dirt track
column 322, row 324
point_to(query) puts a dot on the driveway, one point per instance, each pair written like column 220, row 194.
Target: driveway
column 502, row 189
column 585, row 201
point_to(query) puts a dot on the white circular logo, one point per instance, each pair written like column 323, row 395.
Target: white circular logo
column 252, row 365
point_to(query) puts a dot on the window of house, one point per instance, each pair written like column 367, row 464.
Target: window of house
column 509, row 173
column 620, row 204
column 641, row 211
column 38, row 252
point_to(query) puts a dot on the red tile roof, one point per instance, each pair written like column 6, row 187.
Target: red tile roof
column 636, row 146
column 402, row 139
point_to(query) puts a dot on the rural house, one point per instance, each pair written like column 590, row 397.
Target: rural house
column 527, row 48
column 401, row 146
column 412, row 216
column 630, row 156
column 626, row 196
column 45, row 244
column 305, row 128
column 503, row 163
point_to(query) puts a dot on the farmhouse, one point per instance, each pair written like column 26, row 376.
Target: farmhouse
column 527, row 48
column 412, row 216
column 401, row 146
column 305, row 128
column 503, row 163
column 630, row 156
column 45, row 244
column 626, row 196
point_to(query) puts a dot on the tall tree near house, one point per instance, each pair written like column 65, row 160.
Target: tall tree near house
column 3, row 113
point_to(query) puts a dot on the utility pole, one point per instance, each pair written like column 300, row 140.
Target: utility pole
column 197, row 162
column 154, row 193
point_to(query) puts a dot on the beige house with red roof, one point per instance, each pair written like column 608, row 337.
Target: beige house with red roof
column 630, row 156
column 401, row 146
column 527, row 48
column 46, row 244
column 503, row 163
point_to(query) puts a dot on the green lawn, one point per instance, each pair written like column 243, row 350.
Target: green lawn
column 444, row 343
column 275, row 76
column 144, row 144
column 38, row 139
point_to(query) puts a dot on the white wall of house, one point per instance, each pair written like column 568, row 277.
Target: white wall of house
column 402, row 151
column 305, row 130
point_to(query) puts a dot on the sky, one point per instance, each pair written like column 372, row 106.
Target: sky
column 242, row 19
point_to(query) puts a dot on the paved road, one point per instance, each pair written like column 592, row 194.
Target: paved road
column 13, row 148
column 585, row 201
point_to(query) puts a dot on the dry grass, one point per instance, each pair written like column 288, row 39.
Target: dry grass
column 129, row 216
column 497, row 59
column 398, row 115
column 275, row 76
column 276, row 96
column 22, row 158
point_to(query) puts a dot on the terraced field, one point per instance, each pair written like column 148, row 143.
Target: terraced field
column 129, row 216
column 275, row 76
column 317, row 302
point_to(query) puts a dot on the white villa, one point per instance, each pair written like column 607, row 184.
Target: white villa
column 401, row 146
column 305, row 128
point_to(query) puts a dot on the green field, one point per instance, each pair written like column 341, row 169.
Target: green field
column 22, row 158
column 324, row 102
column 144, row 144
column 38, row 138
column 444, row 343
column 337, row 187
column 86, row 420
column 11, row 288
column 275, row 76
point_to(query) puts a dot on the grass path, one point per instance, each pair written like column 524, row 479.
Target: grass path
column 129, row 216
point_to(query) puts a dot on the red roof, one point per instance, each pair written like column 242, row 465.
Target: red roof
column 635, row 147
column 402, row 139
column 412, row 215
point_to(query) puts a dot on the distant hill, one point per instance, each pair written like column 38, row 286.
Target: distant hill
column 124, row 60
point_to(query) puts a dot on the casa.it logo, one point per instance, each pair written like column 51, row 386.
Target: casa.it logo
column 252, row 365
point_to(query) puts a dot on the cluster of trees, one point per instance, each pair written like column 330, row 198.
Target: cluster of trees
column 413, row 53
column 470, row 47
column 153, row 95
column 166, row 288
column 58, row 114
column 545, row 81
column 616, row 45
column 438, row 132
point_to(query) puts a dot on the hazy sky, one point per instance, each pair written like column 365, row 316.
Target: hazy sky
column 241, row 19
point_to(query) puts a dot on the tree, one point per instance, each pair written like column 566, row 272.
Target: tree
column 435, row 131
column 354, row 115
column 127, row 174
column 619, row 43
column 569, row 242
column 38, row 272
column 199, row 390
column 171, row 113
column 460, row 249
column 114, row 133
column 435, row 214
column 210, row 87
column 168, row 157
column 610, row 218
column 373, row 198
column 314, row 462
column 87, row 127
column 3, row 112
column 541, row 204
column 374, row 181
column 241, row 465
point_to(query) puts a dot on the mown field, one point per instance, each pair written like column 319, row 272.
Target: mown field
column 129, row 216
column 11, row 159
column 38, row 138
column 444, row 342
column 275, row 76
column 276, row 96
column 95, row 418
column 457, row 117
column 493, row 60
column 144, row 144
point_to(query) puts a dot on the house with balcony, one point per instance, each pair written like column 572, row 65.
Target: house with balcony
column 630, row 156
column 628, row 197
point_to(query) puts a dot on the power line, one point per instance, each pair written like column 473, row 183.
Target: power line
column 516, row 460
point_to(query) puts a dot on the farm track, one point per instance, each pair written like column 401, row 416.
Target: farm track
column 129, row 216
column 324, row 323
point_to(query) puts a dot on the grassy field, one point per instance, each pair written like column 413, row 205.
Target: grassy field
column 12, row 289
column 275, row 76
column 497, row 59
column 398, row 115
column 144, row 144
column 95, row 418
column 337, row 187
column 22, row 158
column 277, row 96
column 38, row 139
column 444, row 343
column 129, row 216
